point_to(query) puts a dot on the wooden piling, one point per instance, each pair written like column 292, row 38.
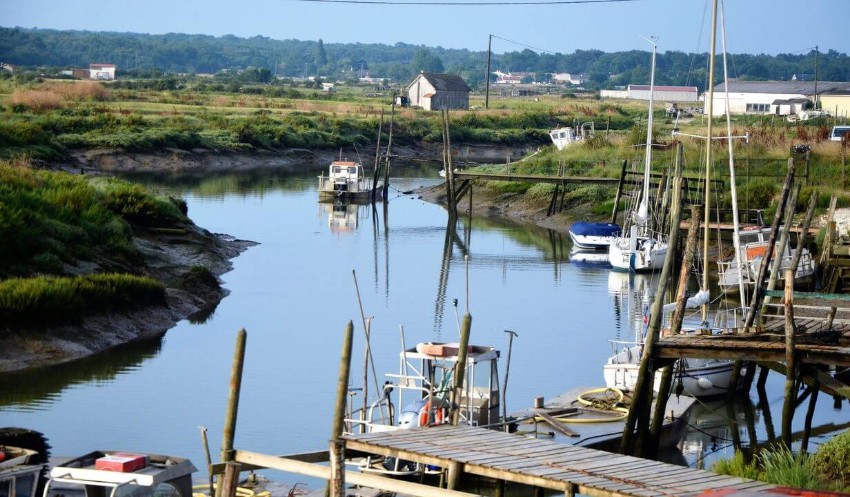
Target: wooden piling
column 388, row 162
column 233, row 397
column 619, row 191
column 230, row 482
column 336, row 484
column 790, row 362
column 460, row 367
column 377, row 159
column 638, row 417
column 758, row 290
column 776, row 268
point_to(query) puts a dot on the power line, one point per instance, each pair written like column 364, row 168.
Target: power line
column 466, row 3
column 526, row 46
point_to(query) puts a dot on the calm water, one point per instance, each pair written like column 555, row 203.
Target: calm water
column 294, row 294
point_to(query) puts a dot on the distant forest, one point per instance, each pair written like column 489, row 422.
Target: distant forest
column 135, row 54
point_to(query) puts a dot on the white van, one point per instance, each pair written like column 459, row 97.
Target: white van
column 838, row 132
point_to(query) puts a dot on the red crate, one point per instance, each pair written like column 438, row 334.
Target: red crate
column 121, row 462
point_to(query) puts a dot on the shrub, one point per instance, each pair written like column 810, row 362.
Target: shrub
column 781, row 466
column 832, row 457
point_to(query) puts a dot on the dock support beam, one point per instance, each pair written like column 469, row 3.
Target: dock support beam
column 336, row 484
column 790, row 360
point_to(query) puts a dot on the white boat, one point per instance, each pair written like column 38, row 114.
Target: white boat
column 639, row 248
column 345, row 180
column 419, row 396
column 102, row 473
column 699, row 378
column 566, row 136
column 593, row 236
column 752, row 248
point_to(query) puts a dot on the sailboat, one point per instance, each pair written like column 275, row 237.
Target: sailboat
column 638, row 248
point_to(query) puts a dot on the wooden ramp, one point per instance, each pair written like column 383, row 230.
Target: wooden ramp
column 543, row 463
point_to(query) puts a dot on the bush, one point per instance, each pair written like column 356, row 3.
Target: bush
column 832, row 458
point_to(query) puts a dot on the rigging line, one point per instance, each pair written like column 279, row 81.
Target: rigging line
column 526, row 46
column 467, row 3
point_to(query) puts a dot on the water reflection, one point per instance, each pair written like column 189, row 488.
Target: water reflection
column 37, row 388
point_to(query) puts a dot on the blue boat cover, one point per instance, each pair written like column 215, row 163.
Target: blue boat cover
column 586, row 228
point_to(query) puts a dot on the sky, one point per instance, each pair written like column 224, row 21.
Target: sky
column 754, row 26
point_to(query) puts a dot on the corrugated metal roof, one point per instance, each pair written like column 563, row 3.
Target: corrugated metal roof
column 691, row 89
column 446, row 82
column 801, row 87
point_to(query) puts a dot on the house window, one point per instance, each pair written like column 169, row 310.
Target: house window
column 760, row 108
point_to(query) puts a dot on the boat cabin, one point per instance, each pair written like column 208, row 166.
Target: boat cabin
column 20, row 472
column 122, row 474
column 345, row 179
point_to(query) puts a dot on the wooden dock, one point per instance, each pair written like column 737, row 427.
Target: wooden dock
column 544, row 464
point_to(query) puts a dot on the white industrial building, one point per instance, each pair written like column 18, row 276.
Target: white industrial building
column 781, row 98
column 664, row 93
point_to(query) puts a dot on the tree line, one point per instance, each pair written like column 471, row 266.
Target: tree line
column 135, row 54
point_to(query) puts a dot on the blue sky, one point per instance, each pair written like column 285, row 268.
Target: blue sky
column 753, row 26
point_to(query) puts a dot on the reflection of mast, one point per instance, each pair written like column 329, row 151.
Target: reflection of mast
column 451, row 239
column 386, row 249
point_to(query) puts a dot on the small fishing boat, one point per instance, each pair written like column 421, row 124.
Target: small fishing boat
column 753, row 242
column 593, row 236
column 345, row 180
column 566, row 136
column 420, row 396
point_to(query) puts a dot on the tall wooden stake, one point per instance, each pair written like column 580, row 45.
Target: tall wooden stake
column 336, row 485
column 377, row 160
column 233, row 397
column 790, row 361
column 619, row 192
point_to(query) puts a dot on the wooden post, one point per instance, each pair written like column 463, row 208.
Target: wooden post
column 233, row 397
column 337, row 446
column 377, row 159
column 804, row 233
column 776, row 268
column 337, row 464
column 638, row 417
column 810, row 412
column 619, row 191
column 758, row 290
column 460, row 368
column 454, row 473
column 790, row 363
column 388, row 162
column 230, row 482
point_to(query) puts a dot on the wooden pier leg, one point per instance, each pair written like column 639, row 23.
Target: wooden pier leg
column 619, row 192
column 790, row 366
column 337, row 463
column 571, row 490
column 230, row 481
column 501, row 488
column 337, row 446
column 455, row 472
column 807, row 428
column 233, row 397
column 460, row 369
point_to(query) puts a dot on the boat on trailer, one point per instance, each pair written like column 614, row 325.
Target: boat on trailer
column 346, row 180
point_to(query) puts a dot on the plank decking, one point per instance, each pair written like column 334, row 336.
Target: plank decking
column 543, row 463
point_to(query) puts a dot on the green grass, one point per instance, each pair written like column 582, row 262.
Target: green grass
column 50, row 300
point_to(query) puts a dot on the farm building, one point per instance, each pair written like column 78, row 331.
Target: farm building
column 438, row 91
column 101, row 71
column 664, row 93
column 781, row 98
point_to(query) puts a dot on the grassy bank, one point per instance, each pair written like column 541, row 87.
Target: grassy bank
column 54, row 225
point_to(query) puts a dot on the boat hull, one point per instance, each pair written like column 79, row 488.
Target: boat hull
column 647, row 255
column 593, row 236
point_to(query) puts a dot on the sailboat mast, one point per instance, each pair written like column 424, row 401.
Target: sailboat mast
column 708, row 159
column 643, row 209
column 736, row 222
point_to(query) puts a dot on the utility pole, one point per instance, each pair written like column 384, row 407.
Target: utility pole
column 816, row 77
column 487, row 76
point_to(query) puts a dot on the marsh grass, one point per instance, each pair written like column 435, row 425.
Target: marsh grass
column 48, row 300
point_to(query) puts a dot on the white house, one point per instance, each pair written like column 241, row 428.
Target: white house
column 779, row 98
column 101, row 71
column 565, row 77
column 438, row 91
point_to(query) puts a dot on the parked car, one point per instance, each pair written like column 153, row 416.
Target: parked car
column 839, row 132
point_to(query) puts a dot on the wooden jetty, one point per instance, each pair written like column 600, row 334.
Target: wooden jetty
column 504, row 457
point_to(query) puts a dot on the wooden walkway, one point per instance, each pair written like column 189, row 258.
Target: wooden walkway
column 751, row 347
column 543, row 463
column 534, row 178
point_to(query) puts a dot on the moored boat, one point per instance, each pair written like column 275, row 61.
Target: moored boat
column 420, row 395
column 345, row 180
column 593, row 236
